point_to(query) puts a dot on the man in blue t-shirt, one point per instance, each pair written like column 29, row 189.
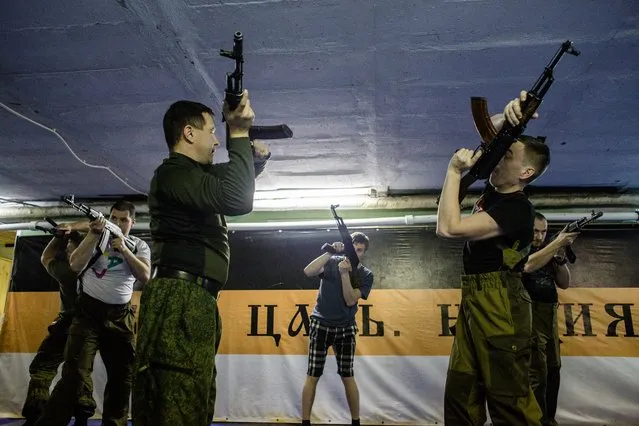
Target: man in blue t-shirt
column 333, row 321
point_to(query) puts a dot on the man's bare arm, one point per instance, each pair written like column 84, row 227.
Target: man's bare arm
column 316, row 267
column 562, row 276
column 351, row 295
column 51, row 251
column 81, row 256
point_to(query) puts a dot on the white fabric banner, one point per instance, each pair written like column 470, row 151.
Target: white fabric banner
column 393, row 390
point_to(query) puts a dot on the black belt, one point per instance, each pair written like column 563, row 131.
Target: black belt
column 208, row 284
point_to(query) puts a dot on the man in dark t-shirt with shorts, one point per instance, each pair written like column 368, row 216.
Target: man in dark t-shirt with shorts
column 333, row 320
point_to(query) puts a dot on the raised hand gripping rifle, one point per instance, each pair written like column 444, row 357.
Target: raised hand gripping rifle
column 110, row 226
column 349, row 248
column 234, row 90
column 53, row 230
column 496, row 144
column 577, row 226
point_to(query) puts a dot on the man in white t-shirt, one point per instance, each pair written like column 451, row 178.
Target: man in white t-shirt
column 103, row 321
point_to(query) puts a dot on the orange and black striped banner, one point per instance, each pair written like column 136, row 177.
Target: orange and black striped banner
column 592, row 322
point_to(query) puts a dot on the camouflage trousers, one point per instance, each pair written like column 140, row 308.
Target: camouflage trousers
column 109, row 329
column 44, row 368
column 179, row 333
column 545, row 361
column 490, row 358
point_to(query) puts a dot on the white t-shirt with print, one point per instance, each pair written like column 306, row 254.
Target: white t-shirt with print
column 110, row 279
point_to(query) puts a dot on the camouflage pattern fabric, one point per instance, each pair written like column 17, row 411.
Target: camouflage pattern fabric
column 490, row 358
column 109, row 329
column 44, row 368
column 179, row 333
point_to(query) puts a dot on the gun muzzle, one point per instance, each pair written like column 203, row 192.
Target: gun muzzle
column 238, row 38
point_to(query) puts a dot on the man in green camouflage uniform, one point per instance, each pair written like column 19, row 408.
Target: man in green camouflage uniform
column 103, row 320
column 545, row 270
column 490, row 357
column 43, row 369
column 179, row 326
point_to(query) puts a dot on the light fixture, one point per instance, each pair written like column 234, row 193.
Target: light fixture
column 310, row 198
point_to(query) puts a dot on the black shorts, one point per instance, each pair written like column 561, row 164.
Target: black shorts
column 342, row 339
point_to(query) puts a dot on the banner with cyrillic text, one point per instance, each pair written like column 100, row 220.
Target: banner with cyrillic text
column 403, row 339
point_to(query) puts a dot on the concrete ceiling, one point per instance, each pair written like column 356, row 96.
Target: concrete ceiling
column 376, row 92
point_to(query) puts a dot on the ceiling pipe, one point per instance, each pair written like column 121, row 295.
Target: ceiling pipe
column 407, row 220
column 429, row 202
column 19, row 226
column 54, row 211
column 417, row 202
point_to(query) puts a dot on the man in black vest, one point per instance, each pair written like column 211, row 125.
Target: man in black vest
column 545, row 270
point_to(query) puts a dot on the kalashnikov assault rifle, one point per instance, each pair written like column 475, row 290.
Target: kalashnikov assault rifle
column 234, row 90
column 111, row 227
column 53, row 230
column 496, row 144
column 349, row 248
column 577, row 226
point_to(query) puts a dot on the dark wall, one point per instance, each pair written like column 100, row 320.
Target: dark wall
column 399, row 257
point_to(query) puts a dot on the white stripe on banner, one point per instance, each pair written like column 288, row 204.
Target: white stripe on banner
column 393, row 390
column 409, row 390
column 14, row 382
